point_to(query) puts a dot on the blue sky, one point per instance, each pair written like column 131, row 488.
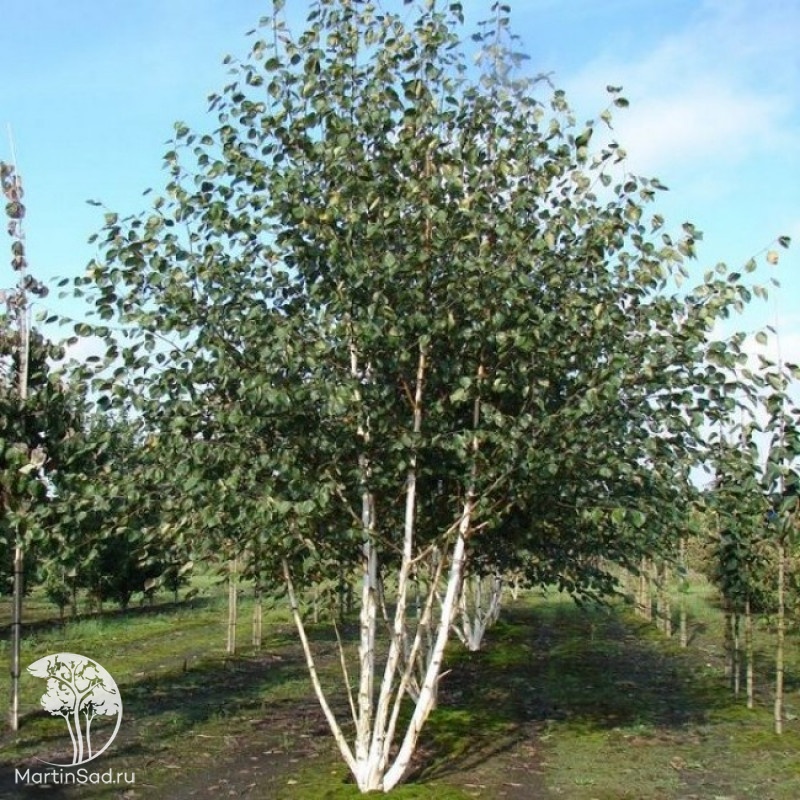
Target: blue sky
column 91, row 89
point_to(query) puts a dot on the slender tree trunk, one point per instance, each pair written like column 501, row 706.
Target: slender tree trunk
column 683, row 625
column 684, row 589
column 736, row 677
column 647, row 593
column 477, row 613
column 233, row 597
column 315, row 603
column 658, row 595
column 640, row 590
column 728, row 643
column 748, row 649
column 781, row 635
column 367, row 629
column 653, row 610
column 258, row 615
column 74, row 599
column 342, row 591
column 16, row 637
column 667, row 609
column 663, row 607
column 336, row 730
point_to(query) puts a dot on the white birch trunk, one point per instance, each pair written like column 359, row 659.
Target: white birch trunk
column 427, row 699
column 516, row 587
column 338, row 735
column 367, row 627
column 372, row 758
column 477, row 613
column 684, row 625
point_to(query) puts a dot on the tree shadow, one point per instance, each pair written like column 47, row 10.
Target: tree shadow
column 590, row 667
column 165, row 706
column 217, row 687
column 44, row 626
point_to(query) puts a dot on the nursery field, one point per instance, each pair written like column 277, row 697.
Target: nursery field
column 564, row 702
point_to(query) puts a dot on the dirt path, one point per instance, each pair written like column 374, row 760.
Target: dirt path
column 274, row 759
column 284, row 753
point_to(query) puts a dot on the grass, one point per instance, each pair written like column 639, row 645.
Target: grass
column 637, row 717
column 564, row 702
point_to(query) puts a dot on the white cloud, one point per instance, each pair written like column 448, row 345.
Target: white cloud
column 83, row 349
column 709, row 120
column 722, row 88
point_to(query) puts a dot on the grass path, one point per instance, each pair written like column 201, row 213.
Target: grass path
column 582, row 704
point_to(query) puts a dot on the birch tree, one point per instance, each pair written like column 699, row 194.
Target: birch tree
column 741, row 510
column 398, row 303
column 782, row 482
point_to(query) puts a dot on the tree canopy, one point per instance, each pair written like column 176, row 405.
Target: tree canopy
column 394, row 308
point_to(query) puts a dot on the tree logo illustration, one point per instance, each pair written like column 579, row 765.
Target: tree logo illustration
column 80, row 690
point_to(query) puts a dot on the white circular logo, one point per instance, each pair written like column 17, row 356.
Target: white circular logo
column 80, row 691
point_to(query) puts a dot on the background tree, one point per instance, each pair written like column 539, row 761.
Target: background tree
column 782, row 485
column 740, row 563
column 104, row 517
column 23, row 456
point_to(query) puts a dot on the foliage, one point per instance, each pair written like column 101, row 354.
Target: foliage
column 99, row 540
column 37, row 412
column 386, row 309
column 753, row 503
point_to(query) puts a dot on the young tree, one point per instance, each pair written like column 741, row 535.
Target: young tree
column 754, row 504
column 25, row 398
column 103, row 515
column 403, row 309
column 740, row 509
column 782, row 485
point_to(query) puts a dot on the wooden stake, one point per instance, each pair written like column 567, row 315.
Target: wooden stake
column 233, row 596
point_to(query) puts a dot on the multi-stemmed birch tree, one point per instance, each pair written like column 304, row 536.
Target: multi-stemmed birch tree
column 391, row 307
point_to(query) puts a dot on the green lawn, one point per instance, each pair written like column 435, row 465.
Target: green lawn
column 564, row 702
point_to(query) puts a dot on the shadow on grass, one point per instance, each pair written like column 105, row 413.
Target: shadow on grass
column 591, row 668
column 161, row 712
column 43, row 626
